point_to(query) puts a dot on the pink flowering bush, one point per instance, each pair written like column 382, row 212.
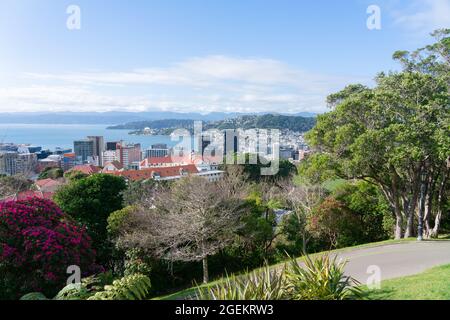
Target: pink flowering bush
column 37, row 244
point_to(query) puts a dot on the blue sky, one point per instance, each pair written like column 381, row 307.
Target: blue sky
column 200, row 55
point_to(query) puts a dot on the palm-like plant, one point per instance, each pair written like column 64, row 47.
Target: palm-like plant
column 320, row 279
column 263, row 284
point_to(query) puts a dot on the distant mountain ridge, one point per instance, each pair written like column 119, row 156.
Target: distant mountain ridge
column 266, row 121
column 113, row 117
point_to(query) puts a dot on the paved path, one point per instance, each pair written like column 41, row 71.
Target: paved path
column 396, row 260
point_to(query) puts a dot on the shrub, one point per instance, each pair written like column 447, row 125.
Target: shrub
column 133, row 287
column 34, row 296
column 99, row 287
column 116, row 220
column 37, row 244
column 336, row 224
column 90, row 201
column 263, row 284
column 51, row 173
column 320, row 279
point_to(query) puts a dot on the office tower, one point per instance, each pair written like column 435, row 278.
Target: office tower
column 157, row 151
column 231, row 141
column 111, row 145
column 110, row 156
column 13, row 163
column 99, row 147
column 129, row 153
column 84, row 149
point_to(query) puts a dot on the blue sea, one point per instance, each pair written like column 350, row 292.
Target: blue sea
column 51, row 136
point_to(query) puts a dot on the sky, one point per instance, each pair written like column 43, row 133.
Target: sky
column 200, row 55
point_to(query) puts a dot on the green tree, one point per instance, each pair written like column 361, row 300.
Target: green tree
column 90, row 201
column 333, row 222
column 391, row 135
column 51, row 173
column 367, row 203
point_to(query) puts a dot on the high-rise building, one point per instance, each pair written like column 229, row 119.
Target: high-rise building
column 129, row 153
column 231, row 141
column 110, row 156
column 111, row 145
column 84, row 149
column 12, row 163
column 99, row 147
column 157, row 151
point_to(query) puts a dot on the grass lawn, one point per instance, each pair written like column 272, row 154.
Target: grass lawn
column 183, row 294
column 179, row 295
column 433, row 284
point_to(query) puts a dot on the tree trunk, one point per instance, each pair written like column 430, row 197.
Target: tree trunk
column 440, row 201
column 396, row 203
column 427, row 213
column 398, row 226
column 409, row 226
column 305, row 241
column 205, row 270
column 410, row 210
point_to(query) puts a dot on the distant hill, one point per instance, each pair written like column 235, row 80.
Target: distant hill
column 112, row 118
column 156, row 124
column 266, row 121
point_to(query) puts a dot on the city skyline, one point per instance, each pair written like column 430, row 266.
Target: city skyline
column 200, row 56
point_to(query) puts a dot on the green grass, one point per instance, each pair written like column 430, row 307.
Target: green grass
column 179, row 295
column 433, row 284
column 188, row 292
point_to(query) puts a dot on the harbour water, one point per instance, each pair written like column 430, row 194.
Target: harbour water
column 50, row 136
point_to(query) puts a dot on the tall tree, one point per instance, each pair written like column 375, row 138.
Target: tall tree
column 190, row 221
column 302, row 199
column 388, row 135
column 90, row 201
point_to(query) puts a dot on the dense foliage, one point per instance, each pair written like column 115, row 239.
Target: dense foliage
column 37, row 245
column 90, row 201
column 266, row 121
column 395, row 135
column 51, row 173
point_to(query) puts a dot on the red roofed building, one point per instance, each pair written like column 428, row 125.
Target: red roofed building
column 160, row 173
column 160, row 162
column 48, row 185
column 88, row 169
column 112, row 166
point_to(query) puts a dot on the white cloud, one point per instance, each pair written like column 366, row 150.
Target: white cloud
column 64, row 98
column 212, row 83
column 424, row 16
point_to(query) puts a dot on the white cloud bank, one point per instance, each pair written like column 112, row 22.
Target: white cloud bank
column 207, row 84
column 423, row 16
